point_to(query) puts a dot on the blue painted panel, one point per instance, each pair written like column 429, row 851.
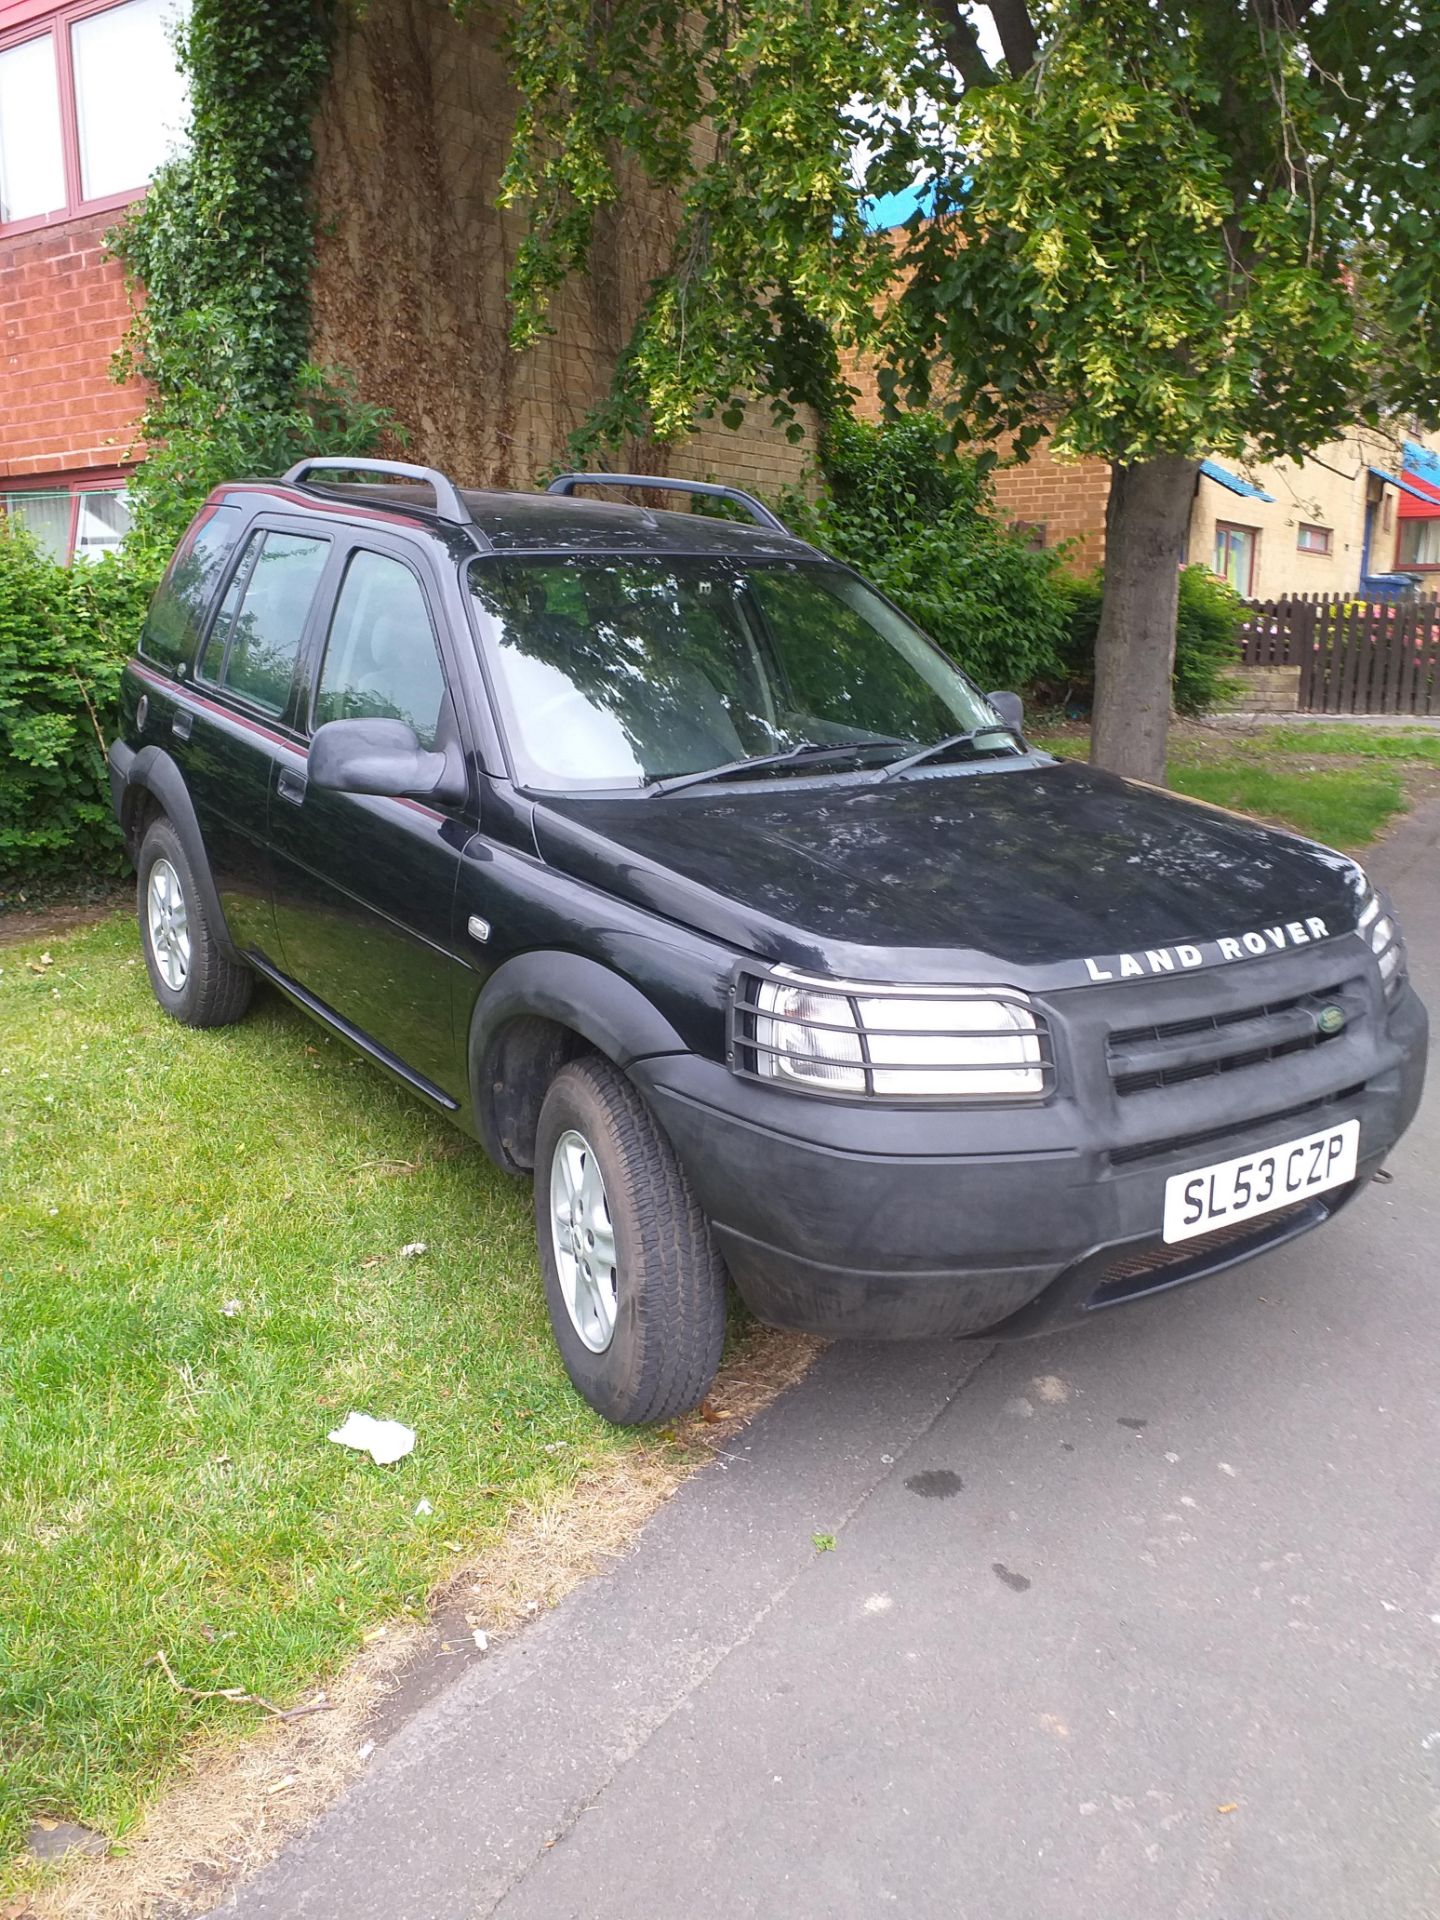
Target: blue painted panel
column 887, row 210
column 1213, row 470
column 1422, row 463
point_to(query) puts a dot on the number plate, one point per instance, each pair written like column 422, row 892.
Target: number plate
column 1258, row 1183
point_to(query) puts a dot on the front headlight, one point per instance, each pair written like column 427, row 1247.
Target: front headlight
column 1377, row 924
column 898, row 1042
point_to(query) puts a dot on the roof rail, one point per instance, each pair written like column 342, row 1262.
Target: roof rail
column 757, row 510
column 448, row 503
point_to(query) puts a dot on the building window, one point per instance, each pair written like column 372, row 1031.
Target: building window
column 1313, row 539
column 32, row 157
column 1419, row 544
column 1235, row 549
column 71, row 523
column 91, row 104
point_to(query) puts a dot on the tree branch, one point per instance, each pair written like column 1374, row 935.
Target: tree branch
column 238, row 1696
column 961, row 43
column 1017, row 35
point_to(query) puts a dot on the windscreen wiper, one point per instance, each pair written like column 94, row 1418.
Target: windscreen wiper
column 763, row 762
column 948, row 744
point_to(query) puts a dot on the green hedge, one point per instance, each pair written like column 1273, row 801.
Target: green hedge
column 1207, row 642
column 64, row 634
column 920, row 522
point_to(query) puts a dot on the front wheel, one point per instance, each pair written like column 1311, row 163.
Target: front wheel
column 633, row 1278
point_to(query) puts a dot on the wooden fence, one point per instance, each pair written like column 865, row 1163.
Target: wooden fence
column 1354, row 656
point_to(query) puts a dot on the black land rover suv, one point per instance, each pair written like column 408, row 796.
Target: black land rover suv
column 667, row 858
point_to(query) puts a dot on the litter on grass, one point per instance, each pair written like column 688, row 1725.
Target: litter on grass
column 386, row 1441
column 413, row 1251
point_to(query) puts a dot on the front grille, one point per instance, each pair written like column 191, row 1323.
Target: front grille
column 1170, row 1053
column 1155, row 1264
column 1176, row 1142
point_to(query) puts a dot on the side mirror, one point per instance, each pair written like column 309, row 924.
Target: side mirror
column 382, row 757
column 1011, row 709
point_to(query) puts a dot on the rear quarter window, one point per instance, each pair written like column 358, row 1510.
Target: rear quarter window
column 182, row 600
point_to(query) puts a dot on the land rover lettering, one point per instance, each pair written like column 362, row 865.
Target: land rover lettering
column 1208, row 953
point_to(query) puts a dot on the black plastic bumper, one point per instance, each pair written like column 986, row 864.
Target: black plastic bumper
column 896, row 1224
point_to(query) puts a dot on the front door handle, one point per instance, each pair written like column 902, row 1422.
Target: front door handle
column 291, row 785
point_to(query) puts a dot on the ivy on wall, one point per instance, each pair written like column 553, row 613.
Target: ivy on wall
column 219, row 255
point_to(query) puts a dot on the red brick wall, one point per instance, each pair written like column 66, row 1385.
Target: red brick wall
column 63, row 310
column 1066, row 498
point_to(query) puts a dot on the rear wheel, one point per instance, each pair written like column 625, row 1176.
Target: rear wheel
column 633, row 1278
column 194, row 981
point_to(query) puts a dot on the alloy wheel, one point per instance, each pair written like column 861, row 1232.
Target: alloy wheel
column 168, row 924
column 584, row 1240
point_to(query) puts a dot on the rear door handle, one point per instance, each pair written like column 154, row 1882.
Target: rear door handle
column 290, row 785
column 182, row 723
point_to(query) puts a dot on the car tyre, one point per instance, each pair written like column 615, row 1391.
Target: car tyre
column 633, row 1277
column 194, row 981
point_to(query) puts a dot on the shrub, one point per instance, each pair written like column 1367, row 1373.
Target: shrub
column 918, row 520
column 64, row 634
column 1207, row 642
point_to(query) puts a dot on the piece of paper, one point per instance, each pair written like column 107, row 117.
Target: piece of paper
column 386, row 1441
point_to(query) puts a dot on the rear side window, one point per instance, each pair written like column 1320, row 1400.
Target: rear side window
column 380, row 660
column 255, row 641
column 177, row 613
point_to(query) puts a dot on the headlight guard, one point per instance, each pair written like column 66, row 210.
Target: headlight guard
column 850, row 1040
column 1380, row 930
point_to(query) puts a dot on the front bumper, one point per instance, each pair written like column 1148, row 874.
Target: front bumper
column 882, row 1222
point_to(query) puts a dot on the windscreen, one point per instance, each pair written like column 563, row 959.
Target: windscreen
column 613, row 673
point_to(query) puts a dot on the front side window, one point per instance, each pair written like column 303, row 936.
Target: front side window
column 255, row 641
column 1235, row 555
column 380, row 658
column 615, row 672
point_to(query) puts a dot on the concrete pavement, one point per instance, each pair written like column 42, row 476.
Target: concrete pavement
column 1142, row 1621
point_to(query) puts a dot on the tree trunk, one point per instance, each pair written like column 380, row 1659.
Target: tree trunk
column 1145, row 527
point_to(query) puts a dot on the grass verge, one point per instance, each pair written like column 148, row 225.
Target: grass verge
column 1272, row 773
column 1415, row 745
column 203, row 1271
column 1344, row 808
